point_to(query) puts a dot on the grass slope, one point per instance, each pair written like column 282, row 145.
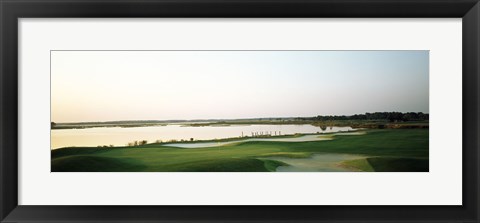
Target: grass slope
column 94, row 163
column 409, row 144
column 388, row 164
column 359, row 164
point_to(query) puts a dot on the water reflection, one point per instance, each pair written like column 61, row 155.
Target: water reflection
column 122, row 136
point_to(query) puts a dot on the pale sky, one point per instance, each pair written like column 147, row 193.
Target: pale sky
column 163, row 85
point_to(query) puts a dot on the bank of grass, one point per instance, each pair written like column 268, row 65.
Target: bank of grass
column 411, row 145
column 232, row 139
column 388, row 164
column 358, row 165
column 88, row 163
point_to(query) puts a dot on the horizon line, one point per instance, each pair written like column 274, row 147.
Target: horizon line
column 219, row 119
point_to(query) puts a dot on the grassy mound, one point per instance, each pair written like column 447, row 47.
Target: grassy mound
column 106, row 164
column 228, row 165
column 94, row 163
column 271, row 165
column 389, row 164
column 359, row 164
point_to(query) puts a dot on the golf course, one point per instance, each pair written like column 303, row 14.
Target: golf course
column 239, row 111
column 370, row 150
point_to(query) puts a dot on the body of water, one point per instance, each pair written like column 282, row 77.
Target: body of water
column 118, row 136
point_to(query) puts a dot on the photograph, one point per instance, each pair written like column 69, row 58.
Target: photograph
column 239, row 110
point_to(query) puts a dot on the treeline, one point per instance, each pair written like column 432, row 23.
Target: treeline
column 390, row 116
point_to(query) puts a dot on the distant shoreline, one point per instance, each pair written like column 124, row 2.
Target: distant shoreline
column 371, row 124
column 367, row 120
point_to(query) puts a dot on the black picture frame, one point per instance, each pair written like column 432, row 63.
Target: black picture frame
column 12, row 10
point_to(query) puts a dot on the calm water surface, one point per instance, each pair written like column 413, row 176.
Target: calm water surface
column 122, row 136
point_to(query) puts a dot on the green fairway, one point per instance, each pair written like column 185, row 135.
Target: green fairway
column 385, row 149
